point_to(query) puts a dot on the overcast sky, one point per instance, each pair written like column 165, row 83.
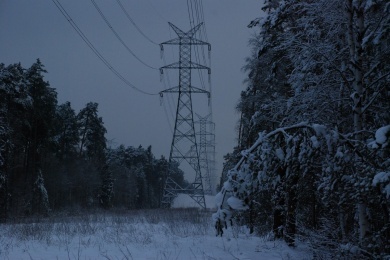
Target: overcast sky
column 36, row 29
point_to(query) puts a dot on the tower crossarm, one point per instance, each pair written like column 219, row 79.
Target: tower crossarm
column 177, row 90
column 185, row 38
column 191, row 41
column 182, row 34
column 191, row 65
column 199, row 42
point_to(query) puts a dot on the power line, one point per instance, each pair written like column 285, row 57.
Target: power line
column 167, row 86
column 133, row 23
column 199, row 10
column 92, row 47
column 189, row 15
column 200, row 16
column 192, row 23
column 170, row 98
column 157, row 12
column 118, row 37
column 169, row 106
column 204, row 22
column 168, row 120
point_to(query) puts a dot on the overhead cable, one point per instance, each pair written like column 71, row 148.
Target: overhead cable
column 204, row 22
column 200, row 15
column 191, row 16
column 199, row 9
column 133, row 23
column 92, row 47
column 156, row 11
column 118, row 37
column 168, row 85
column 167, row 117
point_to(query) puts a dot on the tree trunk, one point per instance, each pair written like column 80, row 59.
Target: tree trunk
column 291, row 228
column 279, row 209
column 277, row 227
column 355, row 39
column 291, row 194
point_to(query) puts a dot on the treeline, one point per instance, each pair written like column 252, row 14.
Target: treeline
column 52, row 158
column 313, row 158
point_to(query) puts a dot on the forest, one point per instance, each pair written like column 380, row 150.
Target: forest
column 52, row 158
column 312, row 162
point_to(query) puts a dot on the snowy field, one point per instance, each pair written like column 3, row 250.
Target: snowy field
column 147, row 234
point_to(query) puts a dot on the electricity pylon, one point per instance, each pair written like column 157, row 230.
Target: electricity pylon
column 206, row 151
column 184, row 146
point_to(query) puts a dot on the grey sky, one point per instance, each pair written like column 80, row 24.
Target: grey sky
column 36, row 29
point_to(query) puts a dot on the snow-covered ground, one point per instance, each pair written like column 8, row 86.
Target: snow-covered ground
column 150, row 234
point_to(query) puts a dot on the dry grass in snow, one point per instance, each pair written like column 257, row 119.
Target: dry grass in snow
column 147, row 234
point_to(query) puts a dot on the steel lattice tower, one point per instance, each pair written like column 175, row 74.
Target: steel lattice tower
column 206, row 151
column 184, row 146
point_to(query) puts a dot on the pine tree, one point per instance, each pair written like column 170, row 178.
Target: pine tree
column 14, row 103
column 4, row 193
column 93, row 147
column 41, row 119
column 67, row 137
column 91, row 131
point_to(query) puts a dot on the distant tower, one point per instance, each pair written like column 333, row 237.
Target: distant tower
column 184, row 146
column 206, row 152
